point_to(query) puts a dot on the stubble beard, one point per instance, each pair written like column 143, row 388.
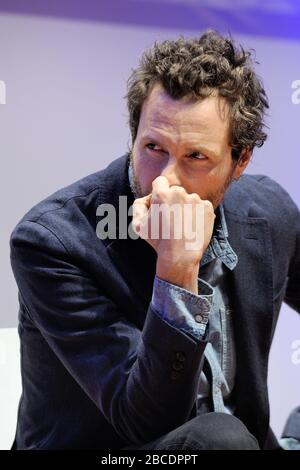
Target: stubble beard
column 214, row 197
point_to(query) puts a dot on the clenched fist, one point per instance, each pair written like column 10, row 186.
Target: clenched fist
column 178, row 226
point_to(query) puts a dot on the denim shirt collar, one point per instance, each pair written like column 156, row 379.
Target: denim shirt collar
column 219, row 246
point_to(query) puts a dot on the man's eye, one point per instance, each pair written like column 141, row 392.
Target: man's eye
column 153, row 147
column 197, row 156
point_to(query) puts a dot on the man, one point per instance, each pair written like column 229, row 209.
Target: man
column 134, row 341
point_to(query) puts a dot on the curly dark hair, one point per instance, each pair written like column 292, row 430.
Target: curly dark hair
column 199, row 67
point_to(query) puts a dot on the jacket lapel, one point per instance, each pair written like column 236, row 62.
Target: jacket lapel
column 252, row 297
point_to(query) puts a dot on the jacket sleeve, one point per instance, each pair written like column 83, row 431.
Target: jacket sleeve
column 144, row 382
column 292, row 295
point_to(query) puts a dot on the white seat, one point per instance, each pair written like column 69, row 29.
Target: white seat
column 10, row 384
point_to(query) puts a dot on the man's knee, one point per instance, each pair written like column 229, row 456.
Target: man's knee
column 229, row 433
column 216, row 431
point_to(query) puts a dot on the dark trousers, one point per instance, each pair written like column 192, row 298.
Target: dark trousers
column 209, row 431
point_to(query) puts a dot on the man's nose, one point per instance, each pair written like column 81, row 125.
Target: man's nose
column 171, row 172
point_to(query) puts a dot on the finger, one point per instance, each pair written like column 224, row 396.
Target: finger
column 161, row 182
column 141, row 206
column 195, row 196
column 143, row 201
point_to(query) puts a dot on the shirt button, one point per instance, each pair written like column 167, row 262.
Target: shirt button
column 180, row 356
column 177, row 365
column 198, row 318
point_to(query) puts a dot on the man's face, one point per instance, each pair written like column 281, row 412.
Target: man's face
column 186, row 141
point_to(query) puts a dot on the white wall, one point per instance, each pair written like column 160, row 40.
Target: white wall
column 10, row 385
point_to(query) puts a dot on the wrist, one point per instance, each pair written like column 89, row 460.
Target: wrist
column 185, row 277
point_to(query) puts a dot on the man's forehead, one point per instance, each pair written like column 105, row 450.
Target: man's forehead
column 210, row 114
column 161, row 105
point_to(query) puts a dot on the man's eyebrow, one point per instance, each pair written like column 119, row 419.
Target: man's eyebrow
column 202, row 148
column 188, row 150
column 150, row 137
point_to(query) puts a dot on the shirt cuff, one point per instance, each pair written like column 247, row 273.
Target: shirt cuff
column 289, row 443
column 181, row 308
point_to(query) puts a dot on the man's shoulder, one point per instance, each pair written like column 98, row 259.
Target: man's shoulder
column 82, row 194
column 70, row 212
column 260, row 196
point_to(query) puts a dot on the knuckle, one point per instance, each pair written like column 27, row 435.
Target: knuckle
column 208, row 204
column 177, row 189
column 160, row 193
column 195, row 197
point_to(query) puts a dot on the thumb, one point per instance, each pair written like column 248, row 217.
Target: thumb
column 140, row 211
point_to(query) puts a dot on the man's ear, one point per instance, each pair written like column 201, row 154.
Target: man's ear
column 242, row 163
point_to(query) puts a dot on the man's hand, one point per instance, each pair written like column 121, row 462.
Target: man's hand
column 176, row 262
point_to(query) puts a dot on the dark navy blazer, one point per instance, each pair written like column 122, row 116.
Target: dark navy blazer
column 96, row 359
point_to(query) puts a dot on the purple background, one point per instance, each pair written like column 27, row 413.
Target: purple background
column 65, row 65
